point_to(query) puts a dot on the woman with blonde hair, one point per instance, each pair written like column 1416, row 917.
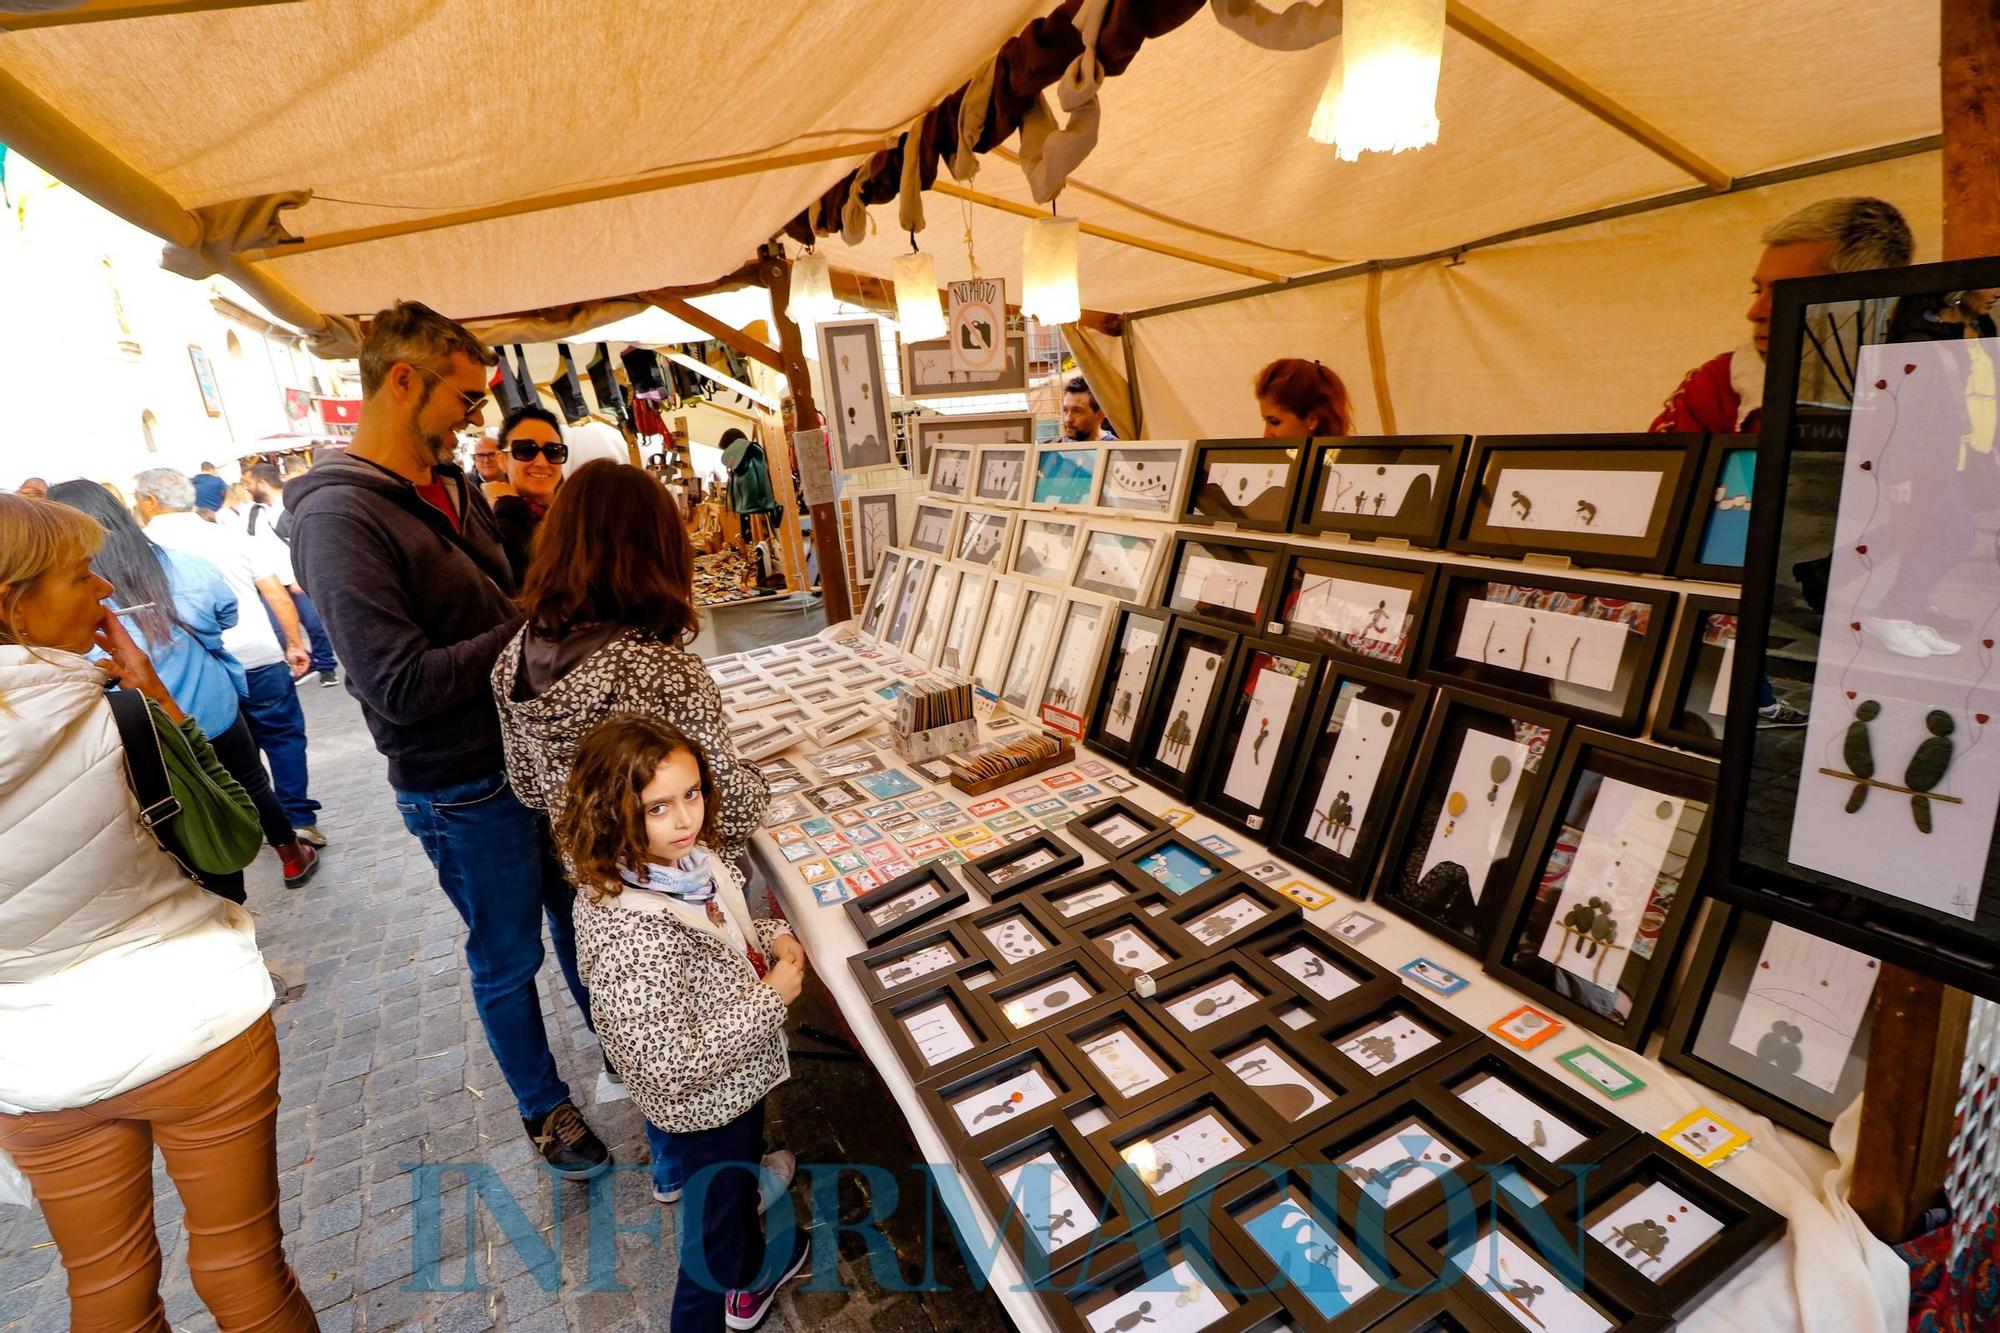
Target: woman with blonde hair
column 134, row 1004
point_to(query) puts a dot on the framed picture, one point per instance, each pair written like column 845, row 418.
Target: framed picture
column 1586, row 650
column 1120, row 564
column 1356, row 748
column 1086, row 891
column 1230, row 910
column 1261, row 720
column 1701, row 661
column 1126, row 1056
column 1046, row 1192
column 935, row 615
column 1672, row 1231
column 996, row 632
column 873, row 530
column 1178, row 862
column 1550, row 1125
column 1036, row 994
column 928, row 372
column 1775, row 1018
column 1868, row 581
column 1232, row 581
column 1000, row 472
column 1015, row 933
column 1402, row 1147
column 1250, row 483
column 1221, row 988
column 1180, row 712
column 1265, row 1063
column 1176, row 1143
column 936, row 1028
column 1460, row 833
column 1028, row 656
column 940, row 949
column 934, row 528
column 958, row 429
column 1608, row 886
column 924, row 894
column 1048, row 547
column 1064, row 698
column 1370, row 486
column 1717, row 537
column 204, row 379
column 1134, row 940
column 1194, row 1280
column 961, row 635
column 986, row 537
column 1383, row 1036
column 1613, row 501
column 888, row 582
column 1319, row 967
column 1065, row 475
column 1116, row 828
column 985, row 1104
column 902, row 618
column 857, row 400
column 1142, row 478
column 1122, row 676
column 951, row 471
column 1358, row 608
column 1022, row 865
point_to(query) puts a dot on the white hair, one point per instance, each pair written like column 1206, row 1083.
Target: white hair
column 164, row 487
column 1865, row 233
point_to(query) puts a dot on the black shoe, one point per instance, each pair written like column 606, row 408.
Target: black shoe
column 329, row 678
column 567, row 1144
column 613, row 1074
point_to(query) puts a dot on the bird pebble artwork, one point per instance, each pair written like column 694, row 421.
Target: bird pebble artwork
column 1656, row 1230
column 1621, row 854
column 1004, row 1101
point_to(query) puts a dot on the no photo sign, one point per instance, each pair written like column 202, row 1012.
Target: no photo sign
column 978, row 333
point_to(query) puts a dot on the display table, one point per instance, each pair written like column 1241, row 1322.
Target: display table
column 1828, row 1273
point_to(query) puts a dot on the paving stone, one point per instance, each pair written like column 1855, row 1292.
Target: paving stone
column 336, row 1218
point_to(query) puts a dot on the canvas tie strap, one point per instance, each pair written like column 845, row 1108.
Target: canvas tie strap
column 910, row 196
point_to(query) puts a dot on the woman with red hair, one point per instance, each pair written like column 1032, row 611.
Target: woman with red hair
column 1299, row 399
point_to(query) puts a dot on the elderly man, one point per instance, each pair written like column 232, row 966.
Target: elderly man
column 487, row 463
column 1082, row 418
column 164, row 502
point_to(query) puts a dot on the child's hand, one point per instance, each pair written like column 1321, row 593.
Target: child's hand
column 786, row 977
column 787, row 949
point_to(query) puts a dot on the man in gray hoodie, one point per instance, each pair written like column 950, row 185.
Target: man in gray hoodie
column 400, row 553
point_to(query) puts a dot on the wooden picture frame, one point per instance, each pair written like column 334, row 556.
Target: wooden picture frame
column 1038, row 994
column 1802, row 1078
column 1124, row 674
column 1082, row 892
column 1365, row 609
column 1178, row 863
column 857, row 395
column 1132, row 827
column 1525, row 1103
column 1016, row 931
column 1032, row 650
column 960, row 644
column 888, row 579
column 1178, row 1261
column 1439, row 1141
column 1065, row 475
column 934, row 529
column 1716, row 540
column 937, row 1029
column 1264, row 1061
column 1621, row 842
column 1020, row 866
column 1606, row 501
column 1126, row 1057
column 1320, row 969
column 1133, row 940
column 928, row 373
column 904, row 903
column 1074, row 1182
column 1217, row 990
column 997, row 620
column 1048, row 547
column 1141, row 479
column 1231, row 911
column 986, row 1104
column 1225, row 579
column 949, row 476
column 1063, row 699
column 1259, row 725
column 1186, row 692
column 1000, row 472
column 1350, row 758
column 1120, row 563
column 1384, row 1036
column 905, row 961
column 1252, row 485
column 1583, row 649
column 1343, row 477
column 901, row 621
column 1694, row 691
column 1473, row 749
column 986, row 538
column 1163, row 1143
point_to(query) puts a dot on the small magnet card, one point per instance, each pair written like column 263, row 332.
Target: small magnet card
column 1705, row 1136
column 1433, row 976
column 1599, row 1071
column 1526, row 1027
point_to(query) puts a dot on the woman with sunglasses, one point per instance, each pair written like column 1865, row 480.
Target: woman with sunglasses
column 531, row 442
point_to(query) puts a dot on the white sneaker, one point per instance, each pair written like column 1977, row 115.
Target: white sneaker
column 1898, row 636
column 1936, row 642
column 779, row 1168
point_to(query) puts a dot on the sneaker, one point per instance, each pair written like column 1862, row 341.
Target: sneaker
column 329, row 678
column 1780, row 714
column 310, row 835
column 744, row 1310
column 301, row 863
column 778, row 1169
column 1937, row 643
column 667, row 1196
column 567, row 1144
column 1898, row 636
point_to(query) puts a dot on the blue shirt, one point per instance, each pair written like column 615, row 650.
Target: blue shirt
column 197, row 670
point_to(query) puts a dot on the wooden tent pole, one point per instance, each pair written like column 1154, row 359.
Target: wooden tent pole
column 776, row 271
column 99, row 11
column 1917, row 1041
column 720, row 330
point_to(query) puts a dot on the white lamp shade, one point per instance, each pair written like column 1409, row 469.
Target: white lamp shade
column 1382, row 97
column 1048, row 271
column 812, row 289
column 917, row 310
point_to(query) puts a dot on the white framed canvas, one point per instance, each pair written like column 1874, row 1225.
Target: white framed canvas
column 857, row 399
column 933, row 528
column 1070, row 684
column 1064, row 475
column 888, row 581
column 950, row 474
column 986, row 537
column 1142, row 478
column 902, row 616
column 974, row 428
column 1000, row 473
column 928, row 371
column 1047, row 547
column 934, row 615
column 1033, row 645
column 996, row 632
column 960, row 644
column 1120, row 563
column 873, row 528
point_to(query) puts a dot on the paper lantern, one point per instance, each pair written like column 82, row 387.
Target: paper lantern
column 1048, row 272
column 1382, row 97
column 812, row 289
column 917, row 310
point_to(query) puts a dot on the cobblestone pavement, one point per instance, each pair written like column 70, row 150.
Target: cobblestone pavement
column 385, row 1066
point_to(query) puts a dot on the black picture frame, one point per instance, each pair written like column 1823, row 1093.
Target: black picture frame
column 1309, row 603
column 1456, row 1144
column 1125, row 670
column 1344, row 690
column 1084, row 1169
column 911, row 1005
column 1083, row 828
column 961, row 1104
column 1325, row 487
column 1082, row 1040
column 1279, row 950
column 1030, row 919
column 1130, row 938
column 1231, row 911
column 1809, row 455
column 1598, row 1130
column 1526, row 618
column 993, row 874
column 1699, row 1037
column 1397, row 1014
column 1281, row 726
column 1182, row 1002
column 876, row 969
column 1116, row 1272
column 1214, row 602
column 1083, row 892
column 1719, row 496
column 1625, row 1009
column 1209, row 503
column 1672, row 458
column 1427, row 895
column 1178, row 862
column 1258, row 1132
column 1011, row 1000
column 1692, row 673
column 1180, row 713
column 876, row 919
column 1237, row 1052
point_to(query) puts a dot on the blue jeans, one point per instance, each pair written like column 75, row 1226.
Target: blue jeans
column 309, row 621
column 726, row 1243
column 495, row 862
column 271, row 707
column 667, row 1173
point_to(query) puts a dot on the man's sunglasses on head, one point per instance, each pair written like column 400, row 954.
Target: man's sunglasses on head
column 524, row 451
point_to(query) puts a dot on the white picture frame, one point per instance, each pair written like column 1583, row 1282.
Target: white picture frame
column 1126, row 572
column 900, row 621
column 1069, row 684
column 974, row 428
column 876, row 609
column 960, row 644
column 933, row 529
column 950, row 474
column 986, row 537
column 1032, row 647
column 928, row 370
column 874, row 525
column 997, row 622
column 1046, row 547
column 1063, row 475
column 1000, row 473
column 933, row 616
column 857, row 400
column 1142, row 479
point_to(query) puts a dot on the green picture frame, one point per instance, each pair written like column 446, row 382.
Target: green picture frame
column 1573, row 1061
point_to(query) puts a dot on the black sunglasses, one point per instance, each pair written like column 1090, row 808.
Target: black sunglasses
column 524, row 451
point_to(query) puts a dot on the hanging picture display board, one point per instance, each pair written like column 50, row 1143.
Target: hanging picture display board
column 1875, row 579
column 977, row 324
column 857, row 398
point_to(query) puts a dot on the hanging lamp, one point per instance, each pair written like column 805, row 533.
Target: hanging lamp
column 1382, row 97
column 918, row 313
column 812, row 290
column 1048, row 271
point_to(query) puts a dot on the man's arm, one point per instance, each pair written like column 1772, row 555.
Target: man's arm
column 279, row 598
column 356, row 582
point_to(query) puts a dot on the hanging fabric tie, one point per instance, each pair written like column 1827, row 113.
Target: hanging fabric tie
column 1049, row 153
column 1298, row 27
column 854, row 214
column 531, row 393
column 972, row 109
column 910, row 193
column 226, row 229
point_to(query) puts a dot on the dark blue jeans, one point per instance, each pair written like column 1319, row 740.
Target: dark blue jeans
column 666, row 1153
column 309, row 621
column 272, row 709
column 495, row 862
column 725, row 1244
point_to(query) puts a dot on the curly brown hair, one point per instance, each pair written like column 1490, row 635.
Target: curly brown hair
column 603, row 823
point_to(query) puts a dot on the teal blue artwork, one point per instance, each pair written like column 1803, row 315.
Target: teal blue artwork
column 1322, row 1271
column 1064, row 476
column 1728, row 534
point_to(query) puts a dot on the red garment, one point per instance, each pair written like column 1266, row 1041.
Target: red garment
column 1706, row 400
column 440, row 500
